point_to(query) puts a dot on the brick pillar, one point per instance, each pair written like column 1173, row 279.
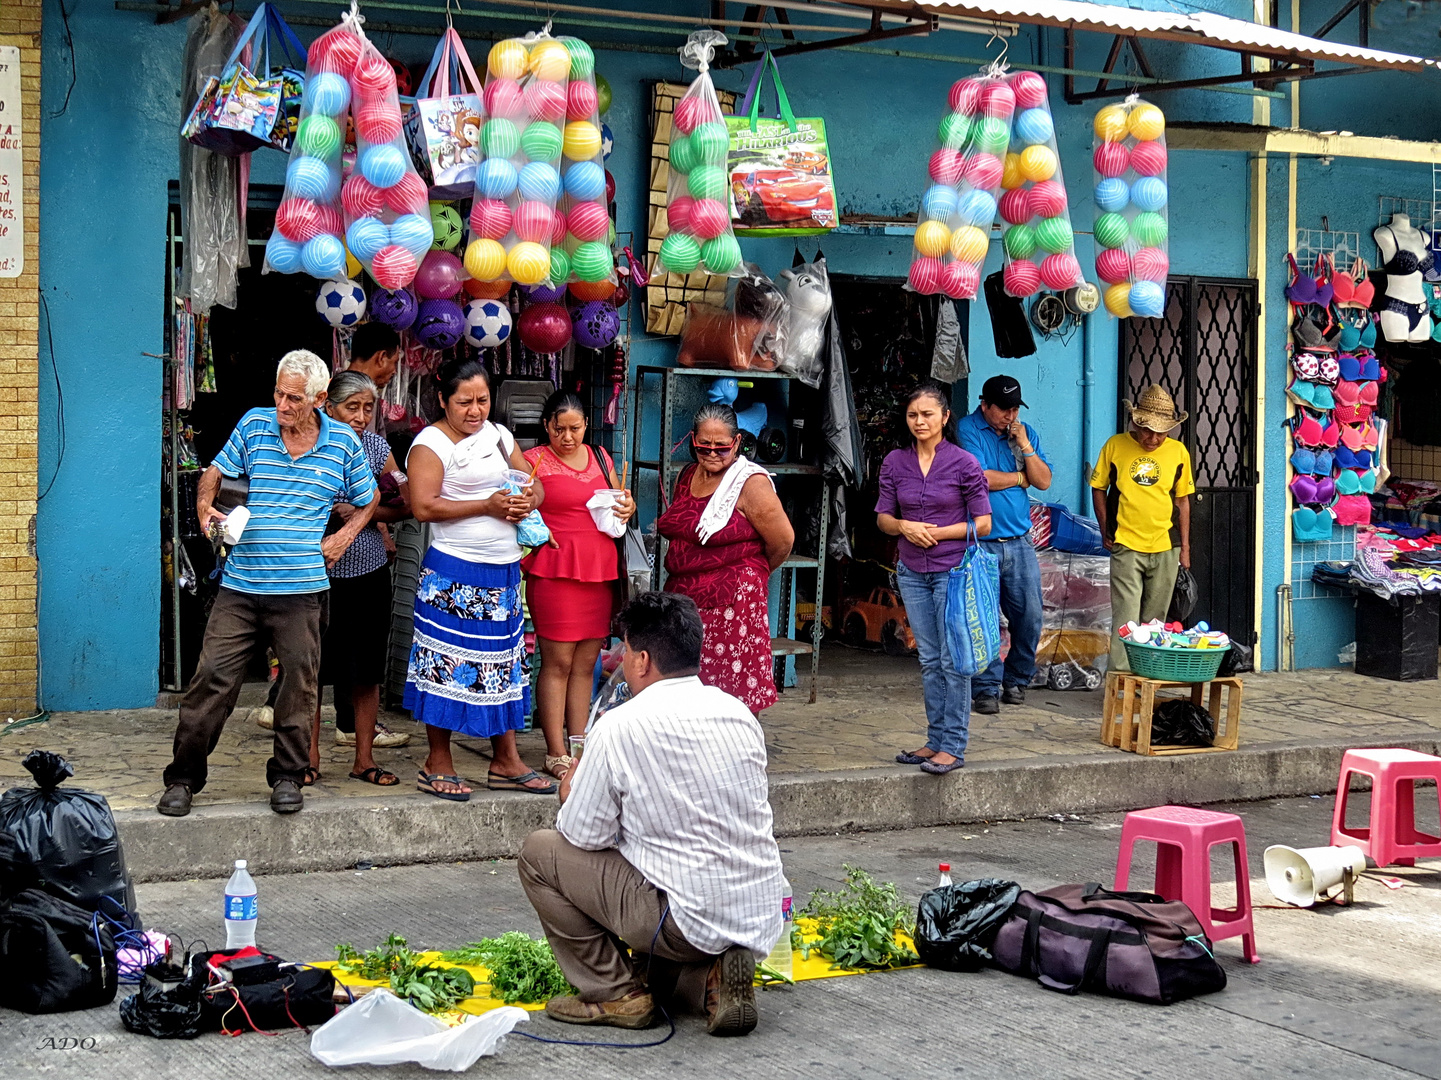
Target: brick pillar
column 19, row 390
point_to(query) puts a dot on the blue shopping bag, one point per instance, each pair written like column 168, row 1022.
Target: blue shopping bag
column 973, row 611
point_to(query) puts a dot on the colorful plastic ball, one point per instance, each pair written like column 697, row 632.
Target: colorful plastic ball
column 1019, row 241
column 377, row 122
column 1110, row 123
column 679, row 253
column 337, row 52
column 595, row 324
column 581, row 140
column 326, row 93
column 589, row 221
column 439, row 275
column 383, row 166
column 721, row 255
column 373, row 78
column 1021, row 278
column 1147, row 299
column 1015, row 206
column 557, row 228
column 969, row 244
column 395, row 309
column 1149, row 159
column 1111, row 195
column 708, row 182
column 584, row 180
column 496, row 178
column 1034, row 126
column 1149, row 193
column 1029, row 88
column 1112, row 230
column 933, row 239
column 607, row 142
column 955, row 130
column 591, row 290
column 1054, row 234
column 559, row 264
column 997, row 100
column 413, row 232
column 329, row 220
column 485, row 290
column 544, row 328
column 946, row 166
column 925, row 275
column 1149, row 229
column 360, row 198
column 545, row 101
column 366, row 236
column 409, row 195
column 592, row 261
column 1047, row 199
column 318, row 136
column 504, row 99
column 1151, row 264
column 710, row 142
column 528, row 263
column 310, row 178
column 393, row 267
column 1146, row 123
column 580, row 101
column 508, row 59
column 1038, row 163
column 939, row 202
column 484, row 259
column 1111, row 159
column 499, row 139
column 1011, row 172
column 992, row 135
column 1060, row 271
column 541, row 140
column 298, row 219
column 1113, row 265
column 582, row 59
column 602, row 93
column 533, row 222
column 341, row 302
column 677, row 214
column 977, row 208
column 353, row 269
column 960, row 280
column 982, row 171
column 282, row 255
column 439, row 324
column 550, row 61
column 487, row 323
column 965, row 97
column 682, row 154
column 691, row 112
column 539, row 181
column 445, row 223
column 609, row 188
column 1116, row 298
column 708, row 219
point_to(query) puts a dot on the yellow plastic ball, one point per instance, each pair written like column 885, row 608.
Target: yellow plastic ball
column 550, row 60
column 1038, row 163
column 1110, row 123
column 932, row 238
column 1011, row 177
column 1146, row 122
column 968, row 244
column 485, row 260
column 581, row 140
column 528, row 263
column 352, row 266
column 1118, row 300
column 509, row 59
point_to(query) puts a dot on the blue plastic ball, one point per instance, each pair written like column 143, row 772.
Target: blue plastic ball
column 539, row 182
column 1148, row 193
column 585, row 181
column 327, row 93
column 366, row 236
column 1112, row 195
column 324, row 257
column 1034, row 126
column 414, row 233
column 496, row 178
column 309, row 178
column 383, row 166
column 940, row 202
column 283, row 255
column 977, row 208
column 1148, row 299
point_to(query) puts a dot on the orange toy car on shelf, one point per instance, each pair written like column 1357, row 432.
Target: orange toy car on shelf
column 877, row 619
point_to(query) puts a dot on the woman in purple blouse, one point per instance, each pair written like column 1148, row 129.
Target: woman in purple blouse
column 932, row 494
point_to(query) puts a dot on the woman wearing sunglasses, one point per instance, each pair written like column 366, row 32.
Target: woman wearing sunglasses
column 727, row 532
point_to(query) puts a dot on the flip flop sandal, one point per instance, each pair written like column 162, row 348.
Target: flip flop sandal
column 309, row 777
column 377, row 776
column 905, row 757
column 496, row 782
column 426, row 782
column 941, row 770
column 565, row 763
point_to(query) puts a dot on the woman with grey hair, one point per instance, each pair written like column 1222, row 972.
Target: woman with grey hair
column 727, row 532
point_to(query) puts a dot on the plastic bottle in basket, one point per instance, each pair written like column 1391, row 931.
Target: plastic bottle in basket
column 1131, row 197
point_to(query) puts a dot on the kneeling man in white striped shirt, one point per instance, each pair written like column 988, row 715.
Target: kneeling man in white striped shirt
column 664, row 842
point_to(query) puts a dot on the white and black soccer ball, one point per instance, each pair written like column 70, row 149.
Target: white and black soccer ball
column 487, row 323
column 607, row 142
column 341, row 302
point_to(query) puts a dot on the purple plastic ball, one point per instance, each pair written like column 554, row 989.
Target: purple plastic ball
column 439, row 324
column 396, row 309
column 544, row 294
column 596, row 323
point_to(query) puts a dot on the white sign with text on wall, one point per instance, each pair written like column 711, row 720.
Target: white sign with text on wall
column 12, row 166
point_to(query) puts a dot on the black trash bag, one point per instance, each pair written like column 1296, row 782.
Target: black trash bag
column 70, row 837
column 1182, row 723
column 1183, row 597
column 54, row 956
column 1237, row 659
column 167, row 1005
column 17, row 872
column 957, row 924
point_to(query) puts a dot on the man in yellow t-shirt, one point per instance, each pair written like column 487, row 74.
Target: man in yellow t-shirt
column 1142, row 482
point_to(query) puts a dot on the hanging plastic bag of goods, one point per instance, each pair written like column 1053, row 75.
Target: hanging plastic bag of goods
column 1131, row 197
column 586, row 254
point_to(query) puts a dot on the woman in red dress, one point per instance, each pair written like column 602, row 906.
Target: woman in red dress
column 727, row 532
column 570, row 584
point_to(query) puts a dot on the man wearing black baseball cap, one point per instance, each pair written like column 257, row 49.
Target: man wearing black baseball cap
column 1009, row 451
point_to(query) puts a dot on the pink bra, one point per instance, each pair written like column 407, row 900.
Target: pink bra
column 1306, row 430
column 1353, row 393
column 1357, row 436
column 1354, row 414
column 1352, row 510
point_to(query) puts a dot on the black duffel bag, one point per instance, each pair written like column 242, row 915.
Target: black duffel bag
column 54, row 955
column 957, row 924
column 179, row 1003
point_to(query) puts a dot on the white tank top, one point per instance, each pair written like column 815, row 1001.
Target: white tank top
column 475, row 469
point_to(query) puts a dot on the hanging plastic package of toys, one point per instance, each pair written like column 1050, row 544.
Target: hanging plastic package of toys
column 1038, row 244
column 513, row 219
column 1131, row 196
column 698, row 195
column 966, row 170
column 585, row 254
column 387, row 213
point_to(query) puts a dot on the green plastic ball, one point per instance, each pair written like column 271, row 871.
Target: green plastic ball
column 955, row 130
column 582, row 59
column 448, row 227
column 602, row 94
column 499, row 139
column 318, row 136
column 559, row 266
column 1019, row 241
column 541, row 141
column 610, row 235
column 679, row 253
column 1112, row 231
column 683, row 156
column 1149, row 229
column 991, row 135
column 593, row 261
column 708, row 182
column 1054, row 234
column 710, row 142
column 722, row 254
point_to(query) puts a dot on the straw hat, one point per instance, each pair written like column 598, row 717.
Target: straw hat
column 1155, row 411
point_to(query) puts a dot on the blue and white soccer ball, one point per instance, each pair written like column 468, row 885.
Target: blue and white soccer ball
column 341, row 302
column 607, row 142
column 487, row 323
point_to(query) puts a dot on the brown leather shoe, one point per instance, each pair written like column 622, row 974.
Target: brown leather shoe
column 635, row 1010
column 730, row 996
column 175, row 802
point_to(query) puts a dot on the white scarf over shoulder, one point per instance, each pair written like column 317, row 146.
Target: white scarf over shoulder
column 723, row 503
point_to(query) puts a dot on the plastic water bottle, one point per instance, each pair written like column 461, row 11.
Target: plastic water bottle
column 945, row 875
column 241, row 908
column 780, row 958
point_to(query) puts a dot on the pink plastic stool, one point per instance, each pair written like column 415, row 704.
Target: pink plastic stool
column 1392, row 836
column 1184, row 837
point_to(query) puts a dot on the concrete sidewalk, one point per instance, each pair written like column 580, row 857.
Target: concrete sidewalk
column 831, row 763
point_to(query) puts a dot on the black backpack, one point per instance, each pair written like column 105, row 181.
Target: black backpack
column 54, row 955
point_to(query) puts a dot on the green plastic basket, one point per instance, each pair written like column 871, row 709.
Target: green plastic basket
column 1174, row 665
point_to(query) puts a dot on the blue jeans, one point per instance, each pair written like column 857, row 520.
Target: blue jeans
column 947, row 692
column 1021, row 604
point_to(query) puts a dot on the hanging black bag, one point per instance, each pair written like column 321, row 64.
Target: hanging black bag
column 1183, row 597
column 54, row 958
column 957, row 924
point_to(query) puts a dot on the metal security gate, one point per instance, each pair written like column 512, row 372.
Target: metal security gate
column 1203, row 350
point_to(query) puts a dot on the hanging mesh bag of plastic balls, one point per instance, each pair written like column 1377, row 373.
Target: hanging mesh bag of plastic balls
column 584, row 231
column 1038, row 244
column 698, row 212
column 966, row 170
column 1131, row 196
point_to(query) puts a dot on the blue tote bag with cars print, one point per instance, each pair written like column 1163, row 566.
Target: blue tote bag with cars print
column 973, row 608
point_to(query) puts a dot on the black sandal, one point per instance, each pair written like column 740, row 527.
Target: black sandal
column 377, row 776
column 309, row 777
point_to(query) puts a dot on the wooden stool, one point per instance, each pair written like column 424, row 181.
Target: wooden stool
column 1131, row 700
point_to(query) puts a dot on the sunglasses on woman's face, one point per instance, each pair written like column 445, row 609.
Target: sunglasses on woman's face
column 707, row 448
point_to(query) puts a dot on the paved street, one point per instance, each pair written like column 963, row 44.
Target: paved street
column 1339, row 992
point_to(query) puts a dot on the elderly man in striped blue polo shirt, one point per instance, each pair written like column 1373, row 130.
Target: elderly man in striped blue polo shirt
column 274, row 589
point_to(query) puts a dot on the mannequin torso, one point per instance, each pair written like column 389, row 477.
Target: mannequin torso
column 1405, row 296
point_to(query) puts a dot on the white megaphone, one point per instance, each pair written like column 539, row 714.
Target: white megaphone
column 1303, row 876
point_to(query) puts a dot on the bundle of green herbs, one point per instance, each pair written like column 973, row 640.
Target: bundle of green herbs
column 857, row 924
column 429, row 987
column 521, row 968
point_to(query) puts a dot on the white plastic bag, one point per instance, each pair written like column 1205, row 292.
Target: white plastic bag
column 380, row 1029
column 602, row 511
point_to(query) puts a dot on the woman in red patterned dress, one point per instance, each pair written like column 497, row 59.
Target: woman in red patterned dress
column 727, row 532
